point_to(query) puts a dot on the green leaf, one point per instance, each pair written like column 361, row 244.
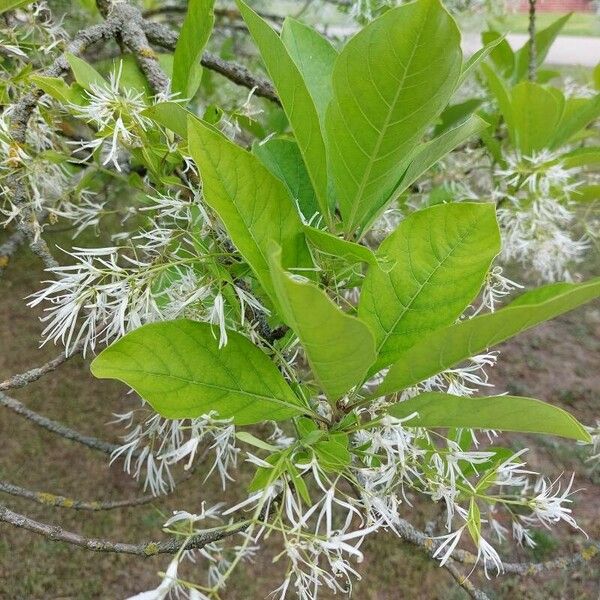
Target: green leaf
column 507, row 413
column 449, row 346
column 252, row 440
column 314, row 56
column 427, row 155
column 537, row 112
column 581, row 157
column 178, row 368
column 339, row 347
column 442, row 256
column 389, row 82
column 254, row 205
column 84, row 73
column 476, row 58
column 333, row 453
column 474, row 521
column 502, row 54
column 544, row 39
column 284, row 160
column 295, row 99
column 335, row 246
column 6, row 5
column 172, row 116
column 457, row 114
column 587, row 193
column 57, row 88
column 578, row 114
column 499, row 91
column 195, row 31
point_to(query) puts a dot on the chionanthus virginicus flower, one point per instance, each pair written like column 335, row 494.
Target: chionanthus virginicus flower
column 116, row 113
column 535, row 213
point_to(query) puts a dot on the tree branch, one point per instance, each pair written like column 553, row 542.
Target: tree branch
column 166, row 38
column 56, row 426
column 64, row 502
column 144, row 549
column 412, row 535
column 22, row 379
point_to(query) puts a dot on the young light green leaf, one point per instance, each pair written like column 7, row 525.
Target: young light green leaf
column 456, row 114
column 502, row 54
column 254, row 205
column 314, row 56
column 333, row 453
column 389, row 82
column 578, row 113
column 334, row 246
column 295, row 99
column 447, row 347
column 85, row 75
column 507, row 413
column 195, row 31
column 339, row 347
column 442, row 255
column 588, row 193
column 178, row 368
column 172, row 116
column 430, row 153
column 581, row 157
column 499, row 90
column 57, row 88
column 283, row 158
column 252, row 440
column 537, row 112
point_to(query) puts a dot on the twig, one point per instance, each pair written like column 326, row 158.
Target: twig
column 134, row 37
column 464, row 582
column 145, row 549
column 56, row 426
column 64, row 502
column 412, row 535
column 22, row 379
column 229, row 13
column 532, row 65
column 166, row 38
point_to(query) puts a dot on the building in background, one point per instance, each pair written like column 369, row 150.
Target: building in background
column 560, row 5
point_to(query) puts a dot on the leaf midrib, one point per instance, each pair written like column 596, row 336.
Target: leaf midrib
column 229, row 390
column 367, row 172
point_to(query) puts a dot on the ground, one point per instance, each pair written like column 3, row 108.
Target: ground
column 557, row 362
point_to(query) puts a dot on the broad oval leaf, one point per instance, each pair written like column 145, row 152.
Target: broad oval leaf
column 536, row 111
column 254, row 205
column 507, row 413
column 442, row 255
column 178, row 368
column 389, row 82
column 339, row 347
column 449, row 346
